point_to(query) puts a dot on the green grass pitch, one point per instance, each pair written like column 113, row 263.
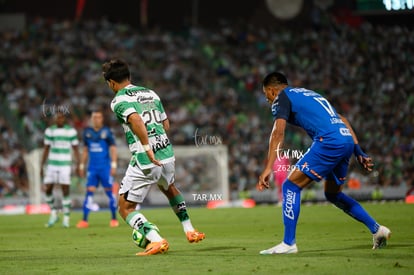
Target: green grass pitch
column 329, row 242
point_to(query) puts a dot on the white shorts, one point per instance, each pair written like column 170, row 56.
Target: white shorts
column 57, row 175
column 138, row 182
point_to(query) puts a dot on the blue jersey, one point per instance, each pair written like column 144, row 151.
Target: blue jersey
column 98, row 143
column 312, row 112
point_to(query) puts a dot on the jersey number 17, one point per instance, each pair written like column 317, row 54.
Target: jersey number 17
column 326, row 105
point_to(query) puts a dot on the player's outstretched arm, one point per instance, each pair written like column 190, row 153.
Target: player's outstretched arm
column 361, row 157
column 275, row 141
column 139, row 129
column 348, row 125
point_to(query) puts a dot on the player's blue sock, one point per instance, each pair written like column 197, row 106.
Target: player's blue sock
column 86, row 205
column 290, row 209
column 354, row 209
column 112, row 203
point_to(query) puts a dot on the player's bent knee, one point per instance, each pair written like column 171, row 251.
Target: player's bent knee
column 335, row 198
column 91, row 188
column 299, row 178
column 331, row 197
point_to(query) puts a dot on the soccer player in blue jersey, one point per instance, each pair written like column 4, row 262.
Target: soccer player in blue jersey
column 334, row 142
column 99, row 148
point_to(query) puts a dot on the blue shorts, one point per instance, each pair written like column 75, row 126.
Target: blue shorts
column 102, row 176
column 326, row 161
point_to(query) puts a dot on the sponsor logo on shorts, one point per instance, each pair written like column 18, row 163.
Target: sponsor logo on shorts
column 345, row 132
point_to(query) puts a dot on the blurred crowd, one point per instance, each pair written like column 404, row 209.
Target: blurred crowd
column 13, row 175
column 210, row 84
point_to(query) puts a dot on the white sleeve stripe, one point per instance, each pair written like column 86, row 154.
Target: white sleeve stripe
column 163, row 116
column 128, row 112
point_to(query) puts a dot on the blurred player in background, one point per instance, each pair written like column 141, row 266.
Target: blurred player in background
column 99, row 148
column 334, row 142
column 145, row 123
column 59, row 141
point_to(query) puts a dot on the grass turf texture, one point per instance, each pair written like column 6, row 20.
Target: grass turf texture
column 329, row 242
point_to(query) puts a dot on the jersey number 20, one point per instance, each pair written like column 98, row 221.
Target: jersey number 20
column 150, row 116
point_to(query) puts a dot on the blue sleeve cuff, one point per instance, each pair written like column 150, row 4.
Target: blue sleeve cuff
column 358, row 151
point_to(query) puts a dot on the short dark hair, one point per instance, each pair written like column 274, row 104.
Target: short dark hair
column 116, row 70
column 97, row 111
column 274, row 78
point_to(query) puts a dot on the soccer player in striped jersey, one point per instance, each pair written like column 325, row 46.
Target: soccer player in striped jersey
column 100, row 152
column 334, row 142
column 60, row 140
column 145, row 123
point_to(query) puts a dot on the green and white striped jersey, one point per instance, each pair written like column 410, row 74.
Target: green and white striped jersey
column 61, row 141
column 145, row 102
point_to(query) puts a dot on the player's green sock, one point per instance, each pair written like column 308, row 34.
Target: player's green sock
column 51, row 202
column 135, row 219
column 138, row 221
column 66, row 204
column 178, row 205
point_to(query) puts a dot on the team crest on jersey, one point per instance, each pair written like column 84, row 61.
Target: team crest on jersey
column 104, row 135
